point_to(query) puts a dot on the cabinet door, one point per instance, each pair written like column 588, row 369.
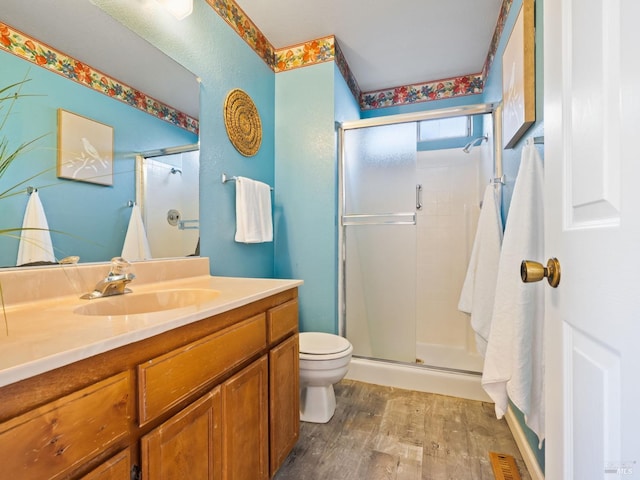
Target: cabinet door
column 284, row 400
column 245, row 424
column 116, row 468
column 186, row 446
column 56, row 439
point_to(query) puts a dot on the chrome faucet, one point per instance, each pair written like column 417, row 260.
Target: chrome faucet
column 115, row 282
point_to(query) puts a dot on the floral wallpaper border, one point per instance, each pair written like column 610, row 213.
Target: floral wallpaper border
column 348, row 76
column 493, row 48
column 327, row 49
column 34, row 51
column 308, row 53
column 423, row 92
column 231, row 13
column 305, row 54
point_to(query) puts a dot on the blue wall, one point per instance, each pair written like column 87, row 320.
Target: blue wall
column 306, row 179
column 93, row 218
column 206, row 45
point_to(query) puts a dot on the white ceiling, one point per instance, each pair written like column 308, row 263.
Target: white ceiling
column 387, row 44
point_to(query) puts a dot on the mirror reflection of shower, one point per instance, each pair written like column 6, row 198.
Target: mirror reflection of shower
column 167, row 190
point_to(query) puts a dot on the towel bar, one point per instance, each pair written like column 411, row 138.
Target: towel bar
column 224, row 178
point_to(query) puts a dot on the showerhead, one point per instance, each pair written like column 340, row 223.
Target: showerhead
column 474, row 143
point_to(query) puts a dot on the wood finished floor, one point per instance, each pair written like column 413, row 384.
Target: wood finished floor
column 380, row 433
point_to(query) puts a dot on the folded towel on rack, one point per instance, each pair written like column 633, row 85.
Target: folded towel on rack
column 35, row 240
column 254, row 222
column 514, row 362
column 479, row 288
column 136, row 244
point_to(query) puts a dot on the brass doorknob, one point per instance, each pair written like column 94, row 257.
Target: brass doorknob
column 531, row 271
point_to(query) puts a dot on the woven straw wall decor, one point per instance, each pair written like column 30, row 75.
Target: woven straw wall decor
column 242, row 121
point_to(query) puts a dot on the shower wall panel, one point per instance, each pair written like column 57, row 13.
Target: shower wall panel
column 446, row 230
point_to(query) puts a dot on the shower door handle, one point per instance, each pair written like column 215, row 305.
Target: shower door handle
column 418, row 197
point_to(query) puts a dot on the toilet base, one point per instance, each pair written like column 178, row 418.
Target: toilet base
column 317, row 404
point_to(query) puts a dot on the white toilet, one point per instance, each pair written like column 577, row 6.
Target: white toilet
column 324, row 360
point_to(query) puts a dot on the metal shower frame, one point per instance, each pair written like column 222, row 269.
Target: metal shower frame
column 495, row 109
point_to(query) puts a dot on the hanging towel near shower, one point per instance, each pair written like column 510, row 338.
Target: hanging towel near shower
column 514, row 363
column 253, row 211
column 136, row 244
column 35, row 239
column 479, row 288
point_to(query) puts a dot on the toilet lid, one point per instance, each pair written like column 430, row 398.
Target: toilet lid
column 317, row 343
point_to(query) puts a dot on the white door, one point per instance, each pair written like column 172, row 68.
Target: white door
column 592, row 225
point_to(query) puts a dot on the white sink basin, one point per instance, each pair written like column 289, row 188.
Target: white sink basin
column 133, row 303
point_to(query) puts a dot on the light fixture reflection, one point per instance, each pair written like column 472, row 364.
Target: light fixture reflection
column 178, row 8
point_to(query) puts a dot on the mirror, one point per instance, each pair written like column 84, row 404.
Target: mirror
column 92, row 62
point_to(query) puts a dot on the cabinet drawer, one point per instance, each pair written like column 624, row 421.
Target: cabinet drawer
column 52, row 440
column 168, row 379
column 282, row 320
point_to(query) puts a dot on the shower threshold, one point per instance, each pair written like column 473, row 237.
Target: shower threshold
column 422, row 378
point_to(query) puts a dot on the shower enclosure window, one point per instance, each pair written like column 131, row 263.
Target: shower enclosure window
column 455, row 127
column 405, row 249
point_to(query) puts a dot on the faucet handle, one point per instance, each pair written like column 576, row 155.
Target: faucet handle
column 119, row 266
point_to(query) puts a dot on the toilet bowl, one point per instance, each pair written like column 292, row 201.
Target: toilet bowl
column 324, row 361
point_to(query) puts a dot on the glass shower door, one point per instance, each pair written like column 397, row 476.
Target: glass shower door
column 379, row 249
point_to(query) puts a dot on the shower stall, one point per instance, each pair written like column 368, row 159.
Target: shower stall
column 408, row 220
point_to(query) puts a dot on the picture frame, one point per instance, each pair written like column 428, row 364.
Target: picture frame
column 519, row 77
column 85, row 149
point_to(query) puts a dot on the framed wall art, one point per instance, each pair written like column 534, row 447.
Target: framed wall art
column 519, row 77
column 85, row 149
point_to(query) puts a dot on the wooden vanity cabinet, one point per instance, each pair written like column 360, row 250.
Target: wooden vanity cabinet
column 215, row 399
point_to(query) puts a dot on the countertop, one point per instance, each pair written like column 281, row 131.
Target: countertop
column 46, row 334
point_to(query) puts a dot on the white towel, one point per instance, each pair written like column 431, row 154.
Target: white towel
column 136, row 243
column 514, row 363
column 479, row 288
column 253, row 211
column 35, row 239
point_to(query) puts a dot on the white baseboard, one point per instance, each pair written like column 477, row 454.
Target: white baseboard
column 523, row 445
